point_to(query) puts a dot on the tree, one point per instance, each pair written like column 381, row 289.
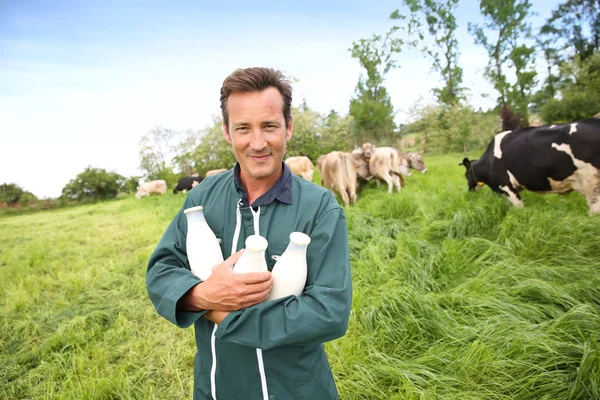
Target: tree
column 507, row 19
column 131, row 184
column 307, row 125
column 213, row 151
column 93, row 184
column 155, row 150
column 580, row 96
column 438, row 16
column 372, row 108
column 183, row 159
column 574, row 28
column 10, row 193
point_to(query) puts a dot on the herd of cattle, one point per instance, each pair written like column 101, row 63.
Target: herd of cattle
column 340, row 171
column 545, row 159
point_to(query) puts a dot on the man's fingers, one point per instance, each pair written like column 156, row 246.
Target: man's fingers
column 251, row 278
column 232, row 259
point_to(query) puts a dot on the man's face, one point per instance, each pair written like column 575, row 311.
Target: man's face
column 257, row 133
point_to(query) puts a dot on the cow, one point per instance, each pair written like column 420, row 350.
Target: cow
column 415, row 161
column 301, row 166
column 385, row 163
column 151, row 187
column 338, row 171
column 186, row 184
column 215, row 171
column 546, row 159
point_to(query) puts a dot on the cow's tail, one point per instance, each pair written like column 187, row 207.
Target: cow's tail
column 394, row 163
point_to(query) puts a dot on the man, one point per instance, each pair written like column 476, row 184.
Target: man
column 247, row 348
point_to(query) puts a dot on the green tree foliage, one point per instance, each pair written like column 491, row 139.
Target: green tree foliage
column 371, row 107
column 131, row 184
column 580, row 97
column 443, row 129
column 574, row 28
column 184, row 160
column 212, row 152
column 315, row 134
column 306, row 133
column 10, row 193
column 155, row 149
column 438, row 17
column 93, row 184
column 337, row 133
column 551, row 84
column 507, row 21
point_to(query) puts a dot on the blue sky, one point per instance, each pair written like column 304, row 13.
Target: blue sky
column 82, row 81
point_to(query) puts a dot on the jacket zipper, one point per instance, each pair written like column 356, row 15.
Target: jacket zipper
column 213, row 368
column 259, row 357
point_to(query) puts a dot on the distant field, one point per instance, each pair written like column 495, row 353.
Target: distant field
column 457, row 295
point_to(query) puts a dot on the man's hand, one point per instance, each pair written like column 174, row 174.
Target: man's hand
column 225, row 290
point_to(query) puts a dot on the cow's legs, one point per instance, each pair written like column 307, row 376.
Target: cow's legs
column 341, row 188
column 592, row 192
column 389, row 180
column 513, row 195
column 352, row 191
column 397, row 184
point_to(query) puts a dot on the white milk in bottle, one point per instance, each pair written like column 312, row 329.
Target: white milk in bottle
column 289, row 272
column 253, row 257
column 203, row 248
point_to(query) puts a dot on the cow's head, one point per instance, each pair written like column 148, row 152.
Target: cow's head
column 416, row 162
column 404, row 167
column 474, row 183
column 367, row 150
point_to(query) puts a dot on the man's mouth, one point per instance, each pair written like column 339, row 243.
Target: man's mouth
column 259, row 157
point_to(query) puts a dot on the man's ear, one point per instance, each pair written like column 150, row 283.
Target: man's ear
column 226, row 134
column 288, row 131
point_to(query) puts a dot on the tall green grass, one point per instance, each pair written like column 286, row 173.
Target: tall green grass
column 457, row 295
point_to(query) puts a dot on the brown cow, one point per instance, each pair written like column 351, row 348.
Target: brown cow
column 385, row 163
column 301, row 166
column 338, row 171
column 215, row 171
column 415, row 161
column 152, row 187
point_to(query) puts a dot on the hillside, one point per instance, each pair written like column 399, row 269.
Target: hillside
column 457, row 295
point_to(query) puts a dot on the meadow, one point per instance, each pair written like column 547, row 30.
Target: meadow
column 456, row 295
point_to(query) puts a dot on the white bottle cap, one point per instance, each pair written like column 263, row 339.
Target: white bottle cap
column 256, row 243
column 299, row 238
column 192, row 210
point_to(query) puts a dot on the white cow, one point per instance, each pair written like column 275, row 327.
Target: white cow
column 151, row 187
column 301, row 166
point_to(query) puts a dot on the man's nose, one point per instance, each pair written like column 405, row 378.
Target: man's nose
column 257, row 140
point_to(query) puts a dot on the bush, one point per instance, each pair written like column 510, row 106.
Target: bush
column 10, row 193
column 93, row 184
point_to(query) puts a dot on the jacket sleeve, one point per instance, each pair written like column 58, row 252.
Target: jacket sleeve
column 320, row 313
column 168, row 276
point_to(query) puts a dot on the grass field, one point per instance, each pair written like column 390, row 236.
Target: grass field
column 457, row 295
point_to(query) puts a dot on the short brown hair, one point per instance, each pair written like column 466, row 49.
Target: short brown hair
column 257, row 79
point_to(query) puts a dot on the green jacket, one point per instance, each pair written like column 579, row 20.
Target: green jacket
column 273, row 350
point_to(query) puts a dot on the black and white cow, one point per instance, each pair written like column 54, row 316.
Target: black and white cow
column 544, row 159
column 187, row 183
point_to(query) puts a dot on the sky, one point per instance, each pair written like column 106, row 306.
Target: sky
column 82, row 81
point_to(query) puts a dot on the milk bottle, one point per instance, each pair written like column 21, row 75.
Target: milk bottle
column 253, row 257
column 289, row 272
column 202, row 245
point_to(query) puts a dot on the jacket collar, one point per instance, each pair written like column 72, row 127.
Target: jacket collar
column 281, row 189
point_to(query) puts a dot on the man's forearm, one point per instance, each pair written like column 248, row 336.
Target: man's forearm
column 216, row 316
